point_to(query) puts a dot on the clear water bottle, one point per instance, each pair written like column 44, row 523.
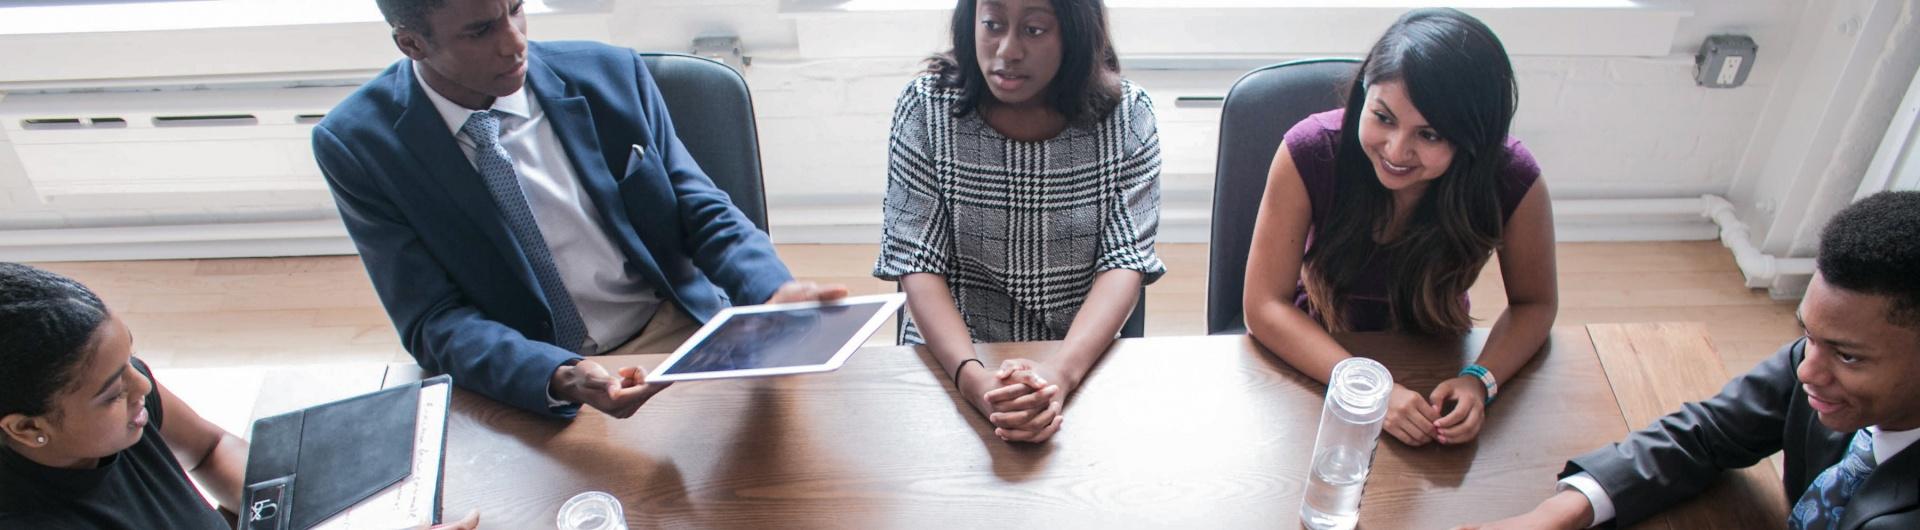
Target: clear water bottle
column 1343, row 451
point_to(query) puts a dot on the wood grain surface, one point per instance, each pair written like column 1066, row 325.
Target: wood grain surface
column 229, row 313
column 1188, row 432
column 1656, row 368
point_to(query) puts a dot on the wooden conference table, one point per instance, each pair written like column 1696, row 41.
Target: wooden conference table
column 1189, row 432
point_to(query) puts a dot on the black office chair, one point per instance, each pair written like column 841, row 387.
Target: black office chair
column 1136, row 324
column 1259, row 109
column 713, row 114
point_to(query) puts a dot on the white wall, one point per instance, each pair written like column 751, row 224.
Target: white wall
column 1821, row 131
column 1603, row 126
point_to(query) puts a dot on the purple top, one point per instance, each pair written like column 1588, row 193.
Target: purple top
column 1312, row 143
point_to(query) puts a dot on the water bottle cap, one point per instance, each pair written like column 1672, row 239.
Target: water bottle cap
column 593, row 510
column 1360, row 385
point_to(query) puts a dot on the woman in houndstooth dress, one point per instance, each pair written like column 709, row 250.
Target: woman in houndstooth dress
column 1023, row 185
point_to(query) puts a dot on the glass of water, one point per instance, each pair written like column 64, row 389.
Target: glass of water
column 593, row 510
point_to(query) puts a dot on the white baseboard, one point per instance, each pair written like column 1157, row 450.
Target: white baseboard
column 1183, row 220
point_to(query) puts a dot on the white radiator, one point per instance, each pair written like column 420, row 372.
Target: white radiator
column 214, row 142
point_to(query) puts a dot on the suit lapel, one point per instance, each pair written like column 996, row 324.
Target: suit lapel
column 572, row 121
column 425, row 135
column 1891, row 488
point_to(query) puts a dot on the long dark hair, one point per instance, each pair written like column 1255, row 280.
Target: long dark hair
column 1087, row 86
column 1458, row 76
column 47, row 325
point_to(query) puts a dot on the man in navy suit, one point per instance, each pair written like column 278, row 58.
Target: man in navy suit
column 519, row 205
column 1840, row 402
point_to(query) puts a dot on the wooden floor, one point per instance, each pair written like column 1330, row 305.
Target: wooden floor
column 322, row 310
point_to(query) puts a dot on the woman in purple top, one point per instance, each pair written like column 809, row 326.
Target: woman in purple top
column 1379, row 216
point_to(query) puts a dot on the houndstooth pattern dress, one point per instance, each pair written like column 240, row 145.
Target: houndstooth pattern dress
column 1019, row 229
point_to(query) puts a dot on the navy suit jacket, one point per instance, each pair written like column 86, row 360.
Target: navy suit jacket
column 453, row 279
column 1754, row 416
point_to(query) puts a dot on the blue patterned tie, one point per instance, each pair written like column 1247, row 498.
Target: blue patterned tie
column 496, row 168
column 1826, row 499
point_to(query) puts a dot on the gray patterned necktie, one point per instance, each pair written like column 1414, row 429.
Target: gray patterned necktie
column 569, row 331
column 1825, row 501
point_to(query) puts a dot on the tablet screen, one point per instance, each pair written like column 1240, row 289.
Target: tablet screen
column 777, row 339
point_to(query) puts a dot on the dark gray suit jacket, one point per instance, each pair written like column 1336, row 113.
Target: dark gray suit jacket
column 1753, row 416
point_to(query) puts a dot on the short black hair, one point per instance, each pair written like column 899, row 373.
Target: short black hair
column 409, row 14
column 1873, row 247
column 47, row 324
column 1086, row 88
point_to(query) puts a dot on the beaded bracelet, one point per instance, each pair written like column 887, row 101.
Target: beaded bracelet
column 1485, row 377
column 963, row 368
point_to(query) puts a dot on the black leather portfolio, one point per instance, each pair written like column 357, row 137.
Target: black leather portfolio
column 309, row 465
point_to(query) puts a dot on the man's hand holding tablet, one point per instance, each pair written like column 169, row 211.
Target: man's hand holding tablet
column 620, row 394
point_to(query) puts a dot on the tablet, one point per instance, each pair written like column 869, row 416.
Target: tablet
column 778, row 339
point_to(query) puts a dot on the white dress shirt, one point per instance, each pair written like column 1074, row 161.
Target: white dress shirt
column 1886, row 444
column 614, row 302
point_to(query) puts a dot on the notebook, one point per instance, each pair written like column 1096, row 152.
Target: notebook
column 370, row 461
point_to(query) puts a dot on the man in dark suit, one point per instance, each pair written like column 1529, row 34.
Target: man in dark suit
column 1841, row 401
column 519, row 205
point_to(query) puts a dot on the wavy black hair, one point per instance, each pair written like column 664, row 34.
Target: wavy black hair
column 1458, row 76
column 47, row 325
column 1086, row 88
column 1873, row 247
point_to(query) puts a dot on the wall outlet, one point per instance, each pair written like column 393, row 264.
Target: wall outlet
column 1730, row 71
column 1724, row 61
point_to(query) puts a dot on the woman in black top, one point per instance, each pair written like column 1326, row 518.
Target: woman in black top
column 87, row 438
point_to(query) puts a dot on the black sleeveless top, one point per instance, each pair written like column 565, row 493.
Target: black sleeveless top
column 139, row 487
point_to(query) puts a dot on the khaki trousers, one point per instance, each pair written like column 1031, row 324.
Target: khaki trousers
column 664, row 333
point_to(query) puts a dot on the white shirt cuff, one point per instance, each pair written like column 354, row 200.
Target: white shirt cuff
column 1597, row 496
column 554, row 402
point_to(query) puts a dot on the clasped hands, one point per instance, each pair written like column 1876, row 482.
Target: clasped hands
column 1418, row 420
column 1023, row 399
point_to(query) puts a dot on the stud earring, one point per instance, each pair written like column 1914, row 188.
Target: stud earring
column 41, row 440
